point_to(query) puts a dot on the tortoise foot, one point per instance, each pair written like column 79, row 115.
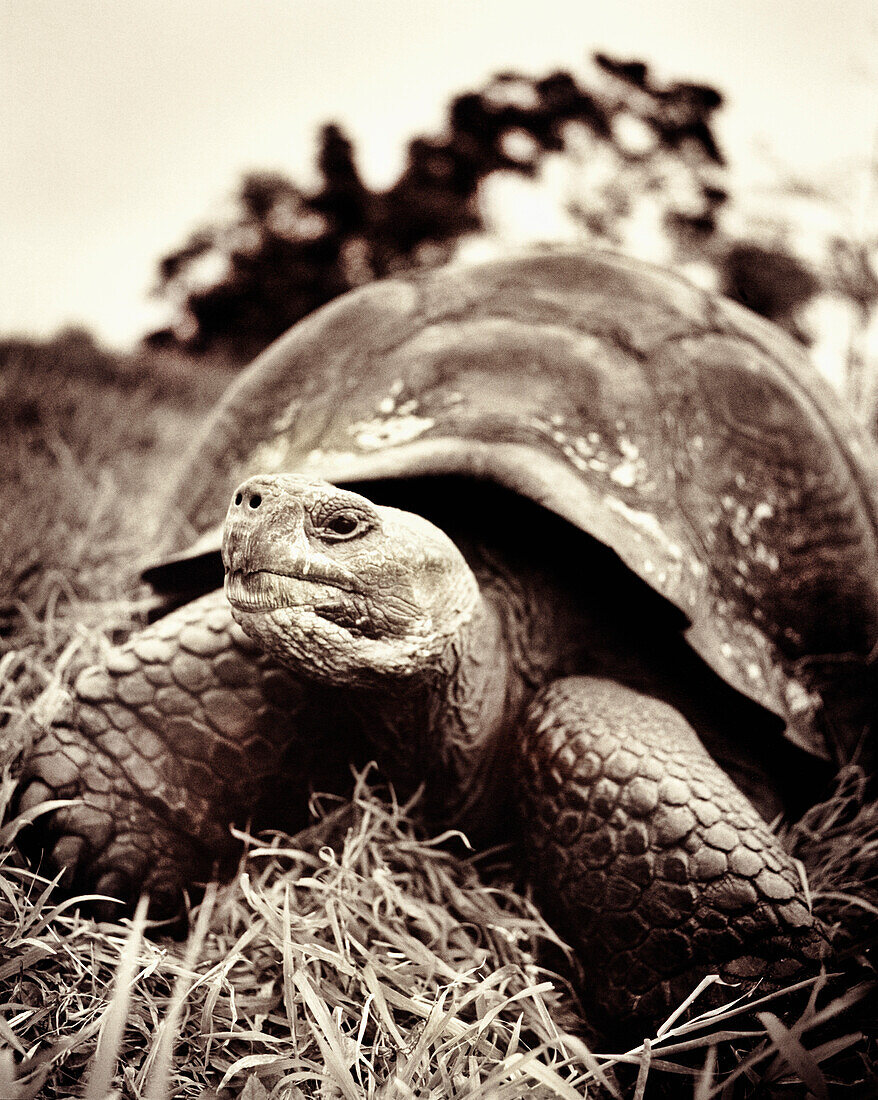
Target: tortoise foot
column 651, row 860
column 112, row 839
column 175, row 737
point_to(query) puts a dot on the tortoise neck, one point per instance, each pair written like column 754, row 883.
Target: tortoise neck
column 440, row 727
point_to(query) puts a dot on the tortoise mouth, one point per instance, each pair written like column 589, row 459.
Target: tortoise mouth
column 266, row 590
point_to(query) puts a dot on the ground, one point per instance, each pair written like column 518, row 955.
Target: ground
column 360, row 958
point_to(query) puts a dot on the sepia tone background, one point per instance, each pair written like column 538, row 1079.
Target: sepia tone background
column 124, row 127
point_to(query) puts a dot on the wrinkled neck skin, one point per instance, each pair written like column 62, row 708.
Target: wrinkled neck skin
column 437, row 722
column 447, row 725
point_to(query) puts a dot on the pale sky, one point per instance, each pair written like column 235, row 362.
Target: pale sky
column 124, row 125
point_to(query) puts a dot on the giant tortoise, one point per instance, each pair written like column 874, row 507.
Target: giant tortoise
column 537, row 534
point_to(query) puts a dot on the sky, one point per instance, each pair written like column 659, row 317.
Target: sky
column 123, row 126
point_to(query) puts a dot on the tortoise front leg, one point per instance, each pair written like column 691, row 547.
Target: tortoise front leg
column 653, row 863
column 177, row 735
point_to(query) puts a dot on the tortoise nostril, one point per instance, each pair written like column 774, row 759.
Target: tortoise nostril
column 255, row 500
column 238, row 498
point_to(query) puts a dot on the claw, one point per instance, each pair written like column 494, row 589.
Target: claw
column 34, row 795
column 66, row 856
column 165, row 899
column 117, row 886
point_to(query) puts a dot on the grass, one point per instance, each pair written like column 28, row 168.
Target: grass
column 357, row 959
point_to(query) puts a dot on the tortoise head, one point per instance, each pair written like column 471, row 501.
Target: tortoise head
column 338, row 588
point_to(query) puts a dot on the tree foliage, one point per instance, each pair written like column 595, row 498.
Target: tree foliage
column 639, row 148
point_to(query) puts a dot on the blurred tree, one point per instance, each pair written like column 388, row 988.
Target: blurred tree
column 642, row 171
column 767, row 280
column 237, row 285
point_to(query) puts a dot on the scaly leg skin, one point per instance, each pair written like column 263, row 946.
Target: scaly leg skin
column 653, row 863
column 177, row 735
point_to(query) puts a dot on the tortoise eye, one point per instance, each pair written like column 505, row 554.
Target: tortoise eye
column 343, row 525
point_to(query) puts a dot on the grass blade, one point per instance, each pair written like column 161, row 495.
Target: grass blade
column 106, row 1056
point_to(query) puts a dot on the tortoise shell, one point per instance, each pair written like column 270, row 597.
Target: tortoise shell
column 693, row 438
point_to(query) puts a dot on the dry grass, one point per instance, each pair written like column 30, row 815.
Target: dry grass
column 359, row 959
